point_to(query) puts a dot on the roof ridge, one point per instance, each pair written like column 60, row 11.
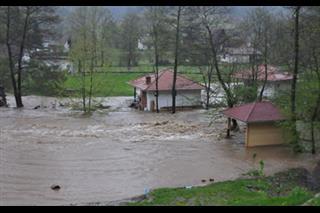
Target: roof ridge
column 161, row 73
column 251, row 110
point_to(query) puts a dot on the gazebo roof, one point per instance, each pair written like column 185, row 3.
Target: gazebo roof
column 263, row 111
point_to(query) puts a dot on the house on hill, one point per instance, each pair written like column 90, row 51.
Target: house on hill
column 239, row 55
column 261, row 118
column 188, row 91
column 276, row 79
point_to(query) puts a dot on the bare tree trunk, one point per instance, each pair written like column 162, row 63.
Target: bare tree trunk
column 265, row 66
column 229, row 128
column 11, row 64
column 83, row 89
column 156, row 55
column 294, row 80
column 264, row 81
column 24, row 34
column 16, row 83
column 91, row 84
column 174, row 92
column 317, row 105
column 208, row 85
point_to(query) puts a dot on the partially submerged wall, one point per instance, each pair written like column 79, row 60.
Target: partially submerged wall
column 262, row 134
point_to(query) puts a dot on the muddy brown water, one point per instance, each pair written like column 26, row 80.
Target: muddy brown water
column 117, row 153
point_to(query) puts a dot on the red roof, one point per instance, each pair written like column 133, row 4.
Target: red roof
column 255, row 112
column 165, row 82
column 274, row 74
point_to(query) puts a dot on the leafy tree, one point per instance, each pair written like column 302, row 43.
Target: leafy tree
column 25, row 29
column 87, row 27
column 130, row 33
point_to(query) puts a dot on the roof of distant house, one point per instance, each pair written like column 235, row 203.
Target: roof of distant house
column 274, row 74
column 263, row 111
column 165, row 80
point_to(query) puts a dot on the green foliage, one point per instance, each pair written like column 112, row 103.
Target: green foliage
column 41, row 79
column 245, row 94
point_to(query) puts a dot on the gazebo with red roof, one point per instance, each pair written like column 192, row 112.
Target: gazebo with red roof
column 261, row 118
column 188, row 91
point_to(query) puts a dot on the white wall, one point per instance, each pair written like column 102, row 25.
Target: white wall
column 235, row 58
column 273, row 87
column 183, row 98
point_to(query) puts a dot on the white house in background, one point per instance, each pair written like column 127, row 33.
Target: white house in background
column 238, row 55
column 188, row 91
column 276, row 79
column 141, row 46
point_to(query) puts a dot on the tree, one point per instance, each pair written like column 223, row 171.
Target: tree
column 257, row 27
column 213, row 19
column 130, row 34
column 157, row 29
column 25, row 28
column 295, row 74
column 308, row 92
column 177, row 14
column 87, row 31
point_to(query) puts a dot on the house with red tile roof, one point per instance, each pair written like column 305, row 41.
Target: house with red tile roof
column 188, row 91
column 276, row 79
column 261, row 119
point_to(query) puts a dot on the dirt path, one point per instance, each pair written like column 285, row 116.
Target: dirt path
column 117, row 153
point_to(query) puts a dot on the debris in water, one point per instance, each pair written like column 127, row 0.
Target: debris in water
column 37, row 107
column 161, row 123
column 55, row 187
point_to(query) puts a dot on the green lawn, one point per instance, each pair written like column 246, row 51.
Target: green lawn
column 115, row 84
column 265, row 191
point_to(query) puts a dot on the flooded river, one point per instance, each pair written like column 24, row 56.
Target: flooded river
column 118, row 152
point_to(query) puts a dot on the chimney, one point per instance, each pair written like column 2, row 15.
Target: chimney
column 148, row 79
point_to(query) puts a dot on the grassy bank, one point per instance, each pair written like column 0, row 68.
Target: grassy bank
column 282, row 189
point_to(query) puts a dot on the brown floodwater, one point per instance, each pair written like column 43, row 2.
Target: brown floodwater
column 118, row 152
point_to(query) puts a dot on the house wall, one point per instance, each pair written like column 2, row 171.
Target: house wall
column 235, row 58
column 273, row 87
column 262, row 134
column 183, row 98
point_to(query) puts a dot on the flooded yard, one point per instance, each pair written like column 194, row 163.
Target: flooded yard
column 118, row 152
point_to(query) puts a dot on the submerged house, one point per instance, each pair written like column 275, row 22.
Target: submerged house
column 261, row 118
column 276, row 79
column 188, row 91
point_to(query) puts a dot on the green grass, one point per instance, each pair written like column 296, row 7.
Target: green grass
column 266, row 191
column 115, row 84
column 314, row 202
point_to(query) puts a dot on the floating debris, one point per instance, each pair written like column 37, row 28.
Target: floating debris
column 55, row 187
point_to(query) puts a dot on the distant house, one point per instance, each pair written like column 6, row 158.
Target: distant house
column 261, row 118
column 239, row 55
column 276, row 79
column 188, row 91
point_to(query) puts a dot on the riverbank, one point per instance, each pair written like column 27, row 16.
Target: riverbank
column 287, row 188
